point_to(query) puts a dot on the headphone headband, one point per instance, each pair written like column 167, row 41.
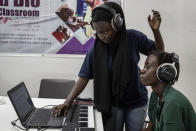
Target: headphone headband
column 175, row 57
column 107, row 8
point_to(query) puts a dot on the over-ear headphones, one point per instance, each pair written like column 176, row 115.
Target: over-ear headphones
column 167, row 72
column 117, row 20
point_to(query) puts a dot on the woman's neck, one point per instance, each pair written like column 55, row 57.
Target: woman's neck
column 160, row 87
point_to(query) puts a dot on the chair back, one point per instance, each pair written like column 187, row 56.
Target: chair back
column 55, row 88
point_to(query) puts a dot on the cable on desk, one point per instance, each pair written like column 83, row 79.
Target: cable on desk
column 14, row 124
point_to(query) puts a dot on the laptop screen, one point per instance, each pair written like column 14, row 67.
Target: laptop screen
column 21, row 100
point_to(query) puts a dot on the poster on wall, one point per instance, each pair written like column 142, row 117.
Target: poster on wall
column 47, row 26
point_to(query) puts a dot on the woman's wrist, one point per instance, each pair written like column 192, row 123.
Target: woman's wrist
column 155, row 31
column 68, row 102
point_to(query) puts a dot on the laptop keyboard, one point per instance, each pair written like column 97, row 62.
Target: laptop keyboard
column 41, row 117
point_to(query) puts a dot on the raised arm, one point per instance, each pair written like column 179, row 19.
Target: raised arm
column 78, row 88
column 154, row 23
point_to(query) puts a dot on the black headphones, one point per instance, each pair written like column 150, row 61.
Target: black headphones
column 117, row 20
column 167, row 72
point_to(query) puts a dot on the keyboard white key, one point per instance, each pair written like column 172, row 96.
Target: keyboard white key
column 91, row 122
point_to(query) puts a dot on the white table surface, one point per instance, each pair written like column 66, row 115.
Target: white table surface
column 8, row 114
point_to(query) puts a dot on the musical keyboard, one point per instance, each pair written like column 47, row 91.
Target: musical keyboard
column 79, row 118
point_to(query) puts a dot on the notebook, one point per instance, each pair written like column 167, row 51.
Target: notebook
column 28, row 114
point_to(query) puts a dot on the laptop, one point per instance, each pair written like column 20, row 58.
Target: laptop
column 28, row 114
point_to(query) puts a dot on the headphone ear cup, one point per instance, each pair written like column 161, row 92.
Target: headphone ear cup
column 166, row 72
column 117, row 22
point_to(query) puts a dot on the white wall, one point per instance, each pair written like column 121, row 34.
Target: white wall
column 32, row 68
column 178, row 29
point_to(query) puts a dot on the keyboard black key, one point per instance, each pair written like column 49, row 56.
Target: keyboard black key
column 83, row 107
column 84, row 111
column 83, row 115
column 83, row 124
column 83, row 119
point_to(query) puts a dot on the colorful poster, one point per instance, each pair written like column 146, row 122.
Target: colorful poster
column 46, row 26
